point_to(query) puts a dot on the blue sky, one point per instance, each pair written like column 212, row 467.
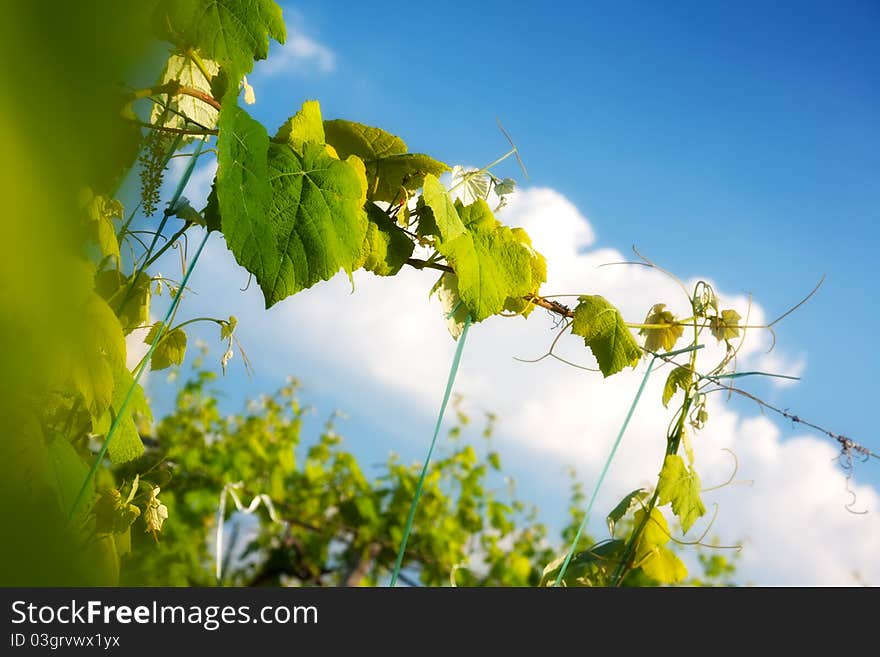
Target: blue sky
column 737, row 142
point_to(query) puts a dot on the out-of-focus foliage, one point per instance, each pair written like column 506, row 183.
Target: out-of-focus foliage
column 339, row 522
column 60, row 132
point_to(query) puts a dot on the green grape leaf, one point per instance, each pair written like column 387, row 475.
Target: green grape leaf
column 70, row 472
column 183, row 69
column 233, row 33
column 391, row 171
column 125, row 445
column 130, row 299
column 100, row 348
column 470, row 184
column 386, row 247
column 242, row 190
column 678, row 379
column 303, row 127
column 317, row 218
column 592, row 567
column 391, row 178
column 663, row 565
column 171, row 347
column 212, row 210
column 454, row 310
column 491, row 263
column 656, row 531
column 680, row 486
column 292, row 218
column 114, row 515
column 725, row 327
column 228, row 327
column 605, row 333
column 437, row 213
column 629, row 502
column 661, row 339
column 155, row 512
column 100, row 212
column 539, row 275
column 504, row 187
column 368, row 143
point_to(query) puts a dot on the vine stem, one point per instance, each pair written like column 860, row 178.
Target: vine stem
column 412, row 509
column 601, row 479
column 168, row 244
column 174, row 88
column 672, row 442
column 176, row 131
column 136, row 377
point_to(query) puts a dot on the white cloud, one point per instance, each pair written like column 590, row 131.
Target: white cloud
column 391, row 348
column 135, row 349
column 300, row 54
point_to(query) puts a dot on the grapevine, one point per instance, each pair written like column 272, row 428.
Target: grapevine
column 297, row 206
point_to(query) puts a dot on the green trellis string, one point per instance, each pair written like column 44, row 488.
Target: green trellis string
column 146, row 359
column 412, row 509
column 629, row 414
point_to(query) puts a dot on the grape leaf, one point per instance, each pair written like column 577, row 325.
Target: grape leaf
column 228, row 327
column 125, row 445
column 242, row 191
column 680, row 486
column 390, row 169
column 155, row 512
column 317, row 218
column 454, row 311
column 304, row 126
column 292, row 218
column 437, row 213
column 592, row 567
column 504, row 187
column 623, row 507
column 171, row 348
column 678, row 379
column 130, row 300
column 386, row 247
column 605, row 333
column 70, row 473
column 113, row 514
column 100, row 348
column 656, row 531
column 367, row 142
column 183, row 70
column 663, row 565
column 491, row 263
column 539, row 275
column 469, row 184
column 438, row 216
column 661, row 339
column 100, row 212
column 231, row 32
column 725, row 327
column 657, row 561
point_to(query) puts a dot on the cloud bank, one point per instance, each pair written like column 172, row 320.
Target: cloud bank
column 300, row 54
column 390, row 346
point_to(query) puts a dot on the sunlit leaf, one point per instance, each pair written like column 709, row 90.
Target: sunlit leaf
column 605, row 333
